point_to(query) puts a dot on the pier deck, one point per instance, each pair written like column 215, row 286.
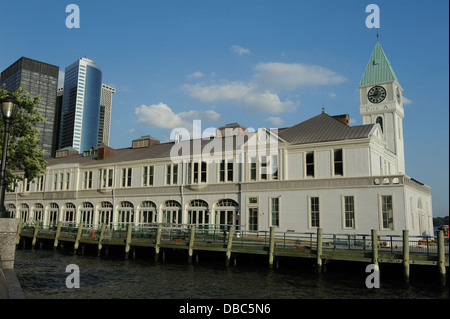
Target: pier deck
column 429, row 251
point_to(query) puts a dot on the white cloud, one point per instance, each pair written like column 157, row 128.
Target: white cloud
column 195, row 75
column 266, row 102
column 262, row 93
column 251, row 98
column 240, row 50
column 285, row 76
column 406, row 101
column 161, row 116
column 275, row 120
column 233, row 91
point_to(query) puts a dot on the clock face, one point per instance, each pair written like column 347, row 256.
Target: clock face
column 399, row 96
column 376, row 94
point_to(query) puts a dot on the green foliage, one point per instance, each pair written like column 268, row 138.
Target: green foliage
column 440, row 221
column 24, row 155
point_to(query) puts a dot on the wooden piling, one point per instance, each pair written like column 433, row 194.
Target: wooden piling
column 58, row 232
column 229, row 245
column 271, row 246
column 36, row 232
column 191, row 243
column 158, row 242
column 128, row 241
column 319, row 250
column 100, row 240
column 374, row 247
column 77, row 239
column 441, row 256
column 19, row 229
column 406, row 255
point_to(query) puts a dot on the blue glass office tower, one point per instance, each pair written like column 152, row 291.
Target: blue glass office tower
column 81, row 105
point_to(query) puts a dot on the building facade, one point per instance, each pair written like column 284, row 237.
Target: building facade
column 104, row 124
column 320, row 173
column 37, row 78
column 80, row 105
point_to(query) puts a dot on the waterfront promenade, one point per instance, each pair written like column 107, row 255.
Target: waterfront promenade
column 320, row 247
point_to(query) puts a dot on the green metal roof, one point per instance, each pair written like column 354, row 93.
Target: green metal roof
column 378, row 69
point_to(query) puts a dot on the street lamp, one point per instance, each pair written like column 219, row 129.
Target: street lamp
column 10, row 107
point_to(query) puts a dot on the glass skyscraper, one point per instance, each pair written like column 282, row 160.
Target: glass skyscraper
column 80, row 109
column 105, row 114
column 37, row 78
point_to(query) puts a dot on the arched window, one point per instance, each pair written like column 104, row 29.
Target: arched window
column 171, row 211
column 126, row 214
column 87, row 214
column 24, row 212
column 147, row 213
column 226, row 213
column 11, row 209
column 105, row 213
column 69, row 212
column 379, row 121
column 38, row 212
column 198, row 213
column 53, row 214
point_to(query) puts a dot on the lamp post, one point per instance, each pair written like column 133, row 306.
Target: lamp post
column 9, row 106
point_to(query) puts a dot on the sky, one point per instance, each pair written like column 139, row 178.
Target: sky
column 261, row 63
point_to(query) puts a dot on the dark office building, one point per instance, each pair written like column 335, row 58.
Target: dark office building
column 37, row 78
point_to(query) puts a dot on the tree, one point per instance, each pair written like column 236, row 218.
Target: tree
column 25, row 158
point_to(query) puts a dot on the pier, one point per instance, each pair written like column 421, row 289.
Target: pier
column 320, row 247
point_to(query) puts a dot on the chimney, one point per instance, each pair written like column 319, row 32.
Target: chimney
column 231, row 130
column 66, row 152
column 144, row 141
column 104, row 152
column 344, row 118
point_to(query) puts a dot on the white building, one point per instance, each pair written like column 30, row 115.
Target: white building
column 321, row 172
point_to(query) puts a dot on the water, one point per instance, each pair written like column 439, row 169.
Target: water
column 42, row 274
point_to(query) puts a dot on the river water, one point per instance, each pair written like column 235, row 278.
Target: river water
column 42, row 274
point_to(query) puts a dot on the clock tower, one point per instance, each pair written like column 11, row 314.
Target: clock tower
column 381, row 102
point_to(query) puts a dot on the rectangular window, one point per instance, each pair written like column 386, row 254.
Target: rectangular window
column 275, row 211
column 87, row 180
column 40, row 184
column 126, row 177
column 349, row 211
column 197, row 172
column 338, row 164
column 230, row 171
column 253, row 218
column 226, row 171
column 253, row 169
column 310, row 164
column 274, row 166
column 222, row 171
column 263, row 167
column 61, row 181
column 314, row 211
column 67, row 181
column 387, row 212
column 171, row 174
column 175, row 174
column 55, row 182
column 203, row 172
column 106, row 177
column 147, row 175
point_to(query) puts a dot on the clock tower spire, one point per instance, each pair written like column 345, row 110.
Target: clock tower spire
column 381, row 102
